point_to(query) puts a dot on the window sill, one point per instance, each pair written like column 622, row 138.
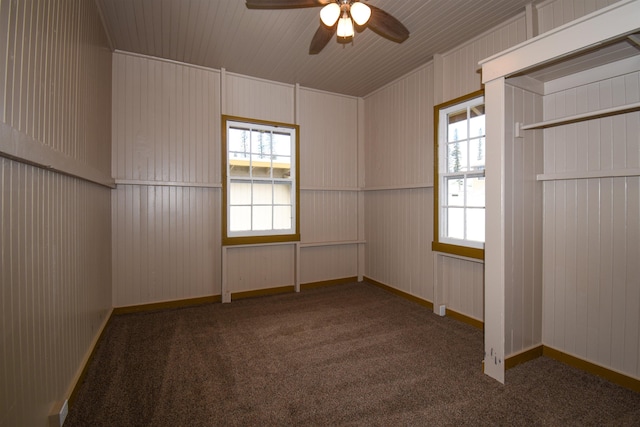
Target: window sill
column 459, row 251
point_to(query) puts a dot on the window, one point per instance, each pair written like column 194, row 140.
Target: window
column 459, row 175
column 260, row 181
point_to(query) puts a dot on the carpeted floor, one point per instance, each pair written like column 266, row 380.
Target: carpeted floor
column 344, row 355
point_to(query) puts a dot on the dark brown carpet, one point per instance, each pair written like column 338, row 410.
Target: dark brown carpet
column 344, row 355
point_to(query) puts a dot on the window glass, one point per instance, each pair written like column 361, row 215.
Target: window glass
column 260, row 188
column 460, row 184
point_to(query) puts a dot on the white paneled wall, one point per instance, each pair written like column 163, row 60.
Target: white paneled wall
column 166, row 161
column 328, row 144
column 399, row 153
column 461, row 70
column 399, row 132
column 554, row 13
column 329, row 209
column 523, row 223
column 592, row 226
column 166, row 209
column 591, row 271
column 55, row 294
column 166, row 121
column 253, row 98
column 166, row 243
column 51, row 53
column 399, row 232
column 321, row 263
column 463, row 285
column 55, row 230
column 597, row 145
column 328, row 216
column 260, row 267
column 271, row 266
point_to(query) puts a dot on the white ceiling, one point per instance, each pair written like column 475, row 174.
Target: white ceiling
column 274, row 44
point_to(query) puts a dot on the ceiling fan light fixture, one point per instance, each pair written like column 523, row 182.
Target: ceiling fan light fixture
column 345, row 27
column 360, row 13
column 330, row 14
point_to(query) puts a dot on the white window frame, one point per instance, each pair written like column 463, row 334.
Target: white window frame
column 442, row 242
column 260, row 235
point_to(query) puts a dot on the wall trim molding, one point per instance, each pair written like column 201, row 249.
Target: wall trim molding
column 615, row 377
column 610, row 375
column 81, row 373
column 413, row 298
column 163, row 305
column 524, row 356
column 324, row 283
column 263, row 292
column 478, row 324
column 20, row 147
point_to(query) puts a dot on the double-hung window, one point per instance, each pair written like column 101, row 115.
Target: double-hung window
column 260, row 182
column 460, row 189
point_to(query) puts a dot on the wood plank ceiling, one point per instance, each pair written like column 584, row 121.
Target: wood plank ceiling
column 274, row 44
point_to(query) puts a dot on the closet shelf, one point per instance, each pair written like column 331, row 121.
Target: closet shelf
column 584, row 116
column 589, row 174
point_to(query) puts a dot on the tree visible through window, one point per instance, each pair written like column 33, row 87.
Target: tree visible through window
column 260, row 186
column 460, row 186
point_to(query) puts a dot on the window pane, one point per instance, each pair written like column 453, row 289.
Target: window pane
column 282, row 217
column 455, row 223
column 476, row 154
column 457, row 125
column 476, row 123
column 238, row 143
column 475, row 225
column 239, row 168
column 240, row 193
column 240, row 218
column 262, row 218
column 261, row 180
column 455, row 191
column 282, row 193
column 457, row 156
column 281, row 145
column 260, row 144
column 282, row 170
column 475, row 191
column 262, row 193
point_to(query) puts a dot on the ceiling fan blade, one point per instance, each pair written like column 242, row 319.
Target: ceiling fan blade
column 387, row 26
column 284, row 4
column 321, row 38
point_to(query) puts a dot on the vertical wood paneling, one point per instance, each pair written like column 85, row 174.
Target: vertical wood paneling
column 328, row 262
column 554, row 13
column 328, row 216
column 55, row 69
column 592, row 227
column 464, row 290
column 271, row 267
column 591, row 282
column 399, row 132
column 166, row 243
column 258, row 99
column 399, row 232
column 611, row 143
column 56, row 285
column 55, row 256
column 462, row 74
column 523, row 224
column 166, row 121
column 328, row 140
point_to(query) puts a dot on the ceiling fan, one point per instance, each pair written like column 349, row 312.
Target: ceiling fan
column 339, row 16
